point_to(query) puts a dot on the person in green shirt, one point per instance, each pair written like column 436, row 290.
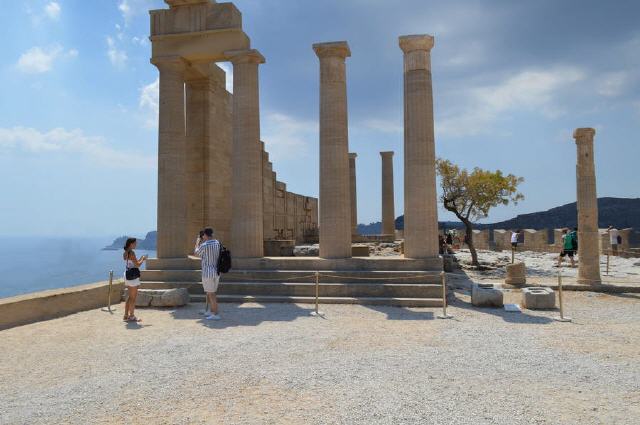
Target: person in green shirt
column 569, row 245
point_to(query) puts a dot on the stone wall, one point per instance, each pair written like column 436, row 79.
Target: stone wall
column 502, row 239
column 481, row 239
column 287, row 215
column 535, row 240
column 605, row 241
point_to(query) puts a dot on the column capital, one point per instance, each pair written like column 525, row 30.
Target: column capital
column 245, row 56
column 177, row 63
column 386, row 154
column 338, row 49
column 584, row 134
column 353, row 155
column 410, row 43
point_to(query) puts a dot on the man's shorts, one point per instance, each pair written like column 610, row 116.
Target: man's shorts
column 514, row 244
column 569, row 252
column 210, row 284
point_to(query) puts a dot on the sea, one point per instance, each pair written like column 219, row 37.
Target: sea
column 33, row 264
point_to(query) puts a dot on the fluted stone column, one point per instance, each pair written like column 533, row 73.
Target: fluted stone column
column 173, row 238
column 335, row 196
column 420, row 197
column 354, row 193
column 388, row 203
column 246, row 204
column 588, row 236
column 197, row 123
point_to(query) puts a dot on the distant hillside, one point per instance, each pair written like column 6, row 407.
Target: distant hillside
column 148, row 243
column 619, row 212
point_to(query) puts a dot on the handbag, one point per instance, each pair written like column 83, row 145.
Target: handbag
column 132, row 273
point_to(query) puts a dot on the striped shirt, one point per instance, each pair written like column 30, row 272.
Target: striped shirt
column 209, row 251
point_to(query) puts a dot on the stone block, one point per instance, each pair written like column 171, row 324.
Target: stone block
column 449, row 263
column 360, row 250
column 279, row 248
column 516, row 274
column 306, row 251
column 486, row 295
column 175, row 297
column 538, row 298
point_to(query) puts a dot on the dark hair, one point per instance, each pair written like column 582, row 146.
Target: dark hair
column 130, row 241
column 575, row 228
column 208, row 231
column 201, row 233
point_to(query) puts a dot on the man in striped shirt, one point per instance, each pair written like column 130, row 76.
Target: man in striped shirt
column 208, row 249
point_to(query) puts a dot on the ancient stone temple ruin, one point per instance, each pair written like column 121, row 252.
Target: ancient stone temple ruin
column 214, row 170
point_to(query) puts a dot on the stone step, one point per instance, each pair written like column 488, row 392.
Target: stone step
column 305, row 289
column 264, row 299
column 394, row 263
column 330, row 276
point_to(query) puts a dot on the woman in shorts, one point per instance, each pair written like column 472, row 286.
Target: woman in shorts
column 131, row 278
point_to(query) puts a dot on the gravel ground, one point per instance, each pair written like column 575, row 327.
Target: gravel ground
column 541, row 266
column 275, row 364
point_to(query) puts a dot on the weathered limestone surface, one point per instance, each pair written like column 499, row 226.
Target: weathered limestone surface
column 354, row 193
column 420, row 198
column 502, row 239
column 486, row 295
column 538, row 298
column 173, row 236
column 481, row 239
column 388, row 202
column 516, row 274
column 588, row 246
column 535, row 240
column 247, row 218
column 335, row 196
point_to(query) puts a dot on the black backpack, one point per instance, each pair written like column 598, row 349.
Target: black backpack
column 224, row 260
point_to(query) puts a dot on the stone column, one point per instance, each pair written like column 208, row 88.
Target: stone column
column 588, row 236
column 388, row 203
column 197, row 122
column 420, row 197
column 335, row 197
column 354, row 193
column 246, row 193
column 173, row 238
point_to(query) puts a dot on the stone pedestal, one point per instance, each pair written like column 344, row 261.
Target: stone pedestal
column 420, row 197
column 335, row 194
column 354, row 193
column 588, row 238
column 538, row 298
column 246, row 205
column 486, row 295
column 173, row 230
column 388, row 202
column 516, row 274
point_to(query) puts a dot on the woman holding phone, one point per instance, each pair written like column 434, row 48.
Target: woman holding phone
column 131, row 278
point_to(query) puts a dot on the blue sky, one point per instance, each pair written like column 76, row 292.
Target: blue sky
column 78, row 104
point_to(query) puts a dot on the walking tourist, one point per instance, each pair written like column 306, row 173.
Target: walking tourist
column 568, row 247
column 131, row 278
column 615, row 239
column 208, row 249
column 514, row 240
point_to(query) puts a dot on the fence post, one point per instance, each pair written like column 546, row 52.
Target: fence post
column 109, row 294
column 443, row 280
column 561, row 318
column 608, row 254
column 317, row 312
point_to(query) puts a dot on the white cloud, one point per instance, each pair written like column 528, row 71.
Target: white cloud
column 125, row 8
column 117, row 57
column 287, row 137
column 38, row 60
column 613, row 84
column 149, row 103
column 528, row 90
column 53, row 10
column 59, row 140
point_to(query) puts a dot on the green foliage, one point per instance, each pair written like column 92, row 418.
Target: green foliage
column 471, row 195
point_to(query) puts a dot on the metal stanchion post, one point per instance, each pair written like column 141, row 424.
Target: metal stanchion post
column 561, row 318
column 608, row 254
column 317, row 312
column 513, row 255
column 444, row 315
column 109, row 295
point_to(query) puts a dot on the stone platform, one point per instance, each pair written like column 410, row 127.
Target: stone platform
column 367, row 280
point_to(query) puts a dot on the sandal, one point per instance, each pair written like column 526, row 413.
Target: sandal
column 133, row 319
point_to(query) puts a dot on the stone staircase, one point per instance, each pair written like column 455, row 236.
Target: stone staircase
column 356, row 281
